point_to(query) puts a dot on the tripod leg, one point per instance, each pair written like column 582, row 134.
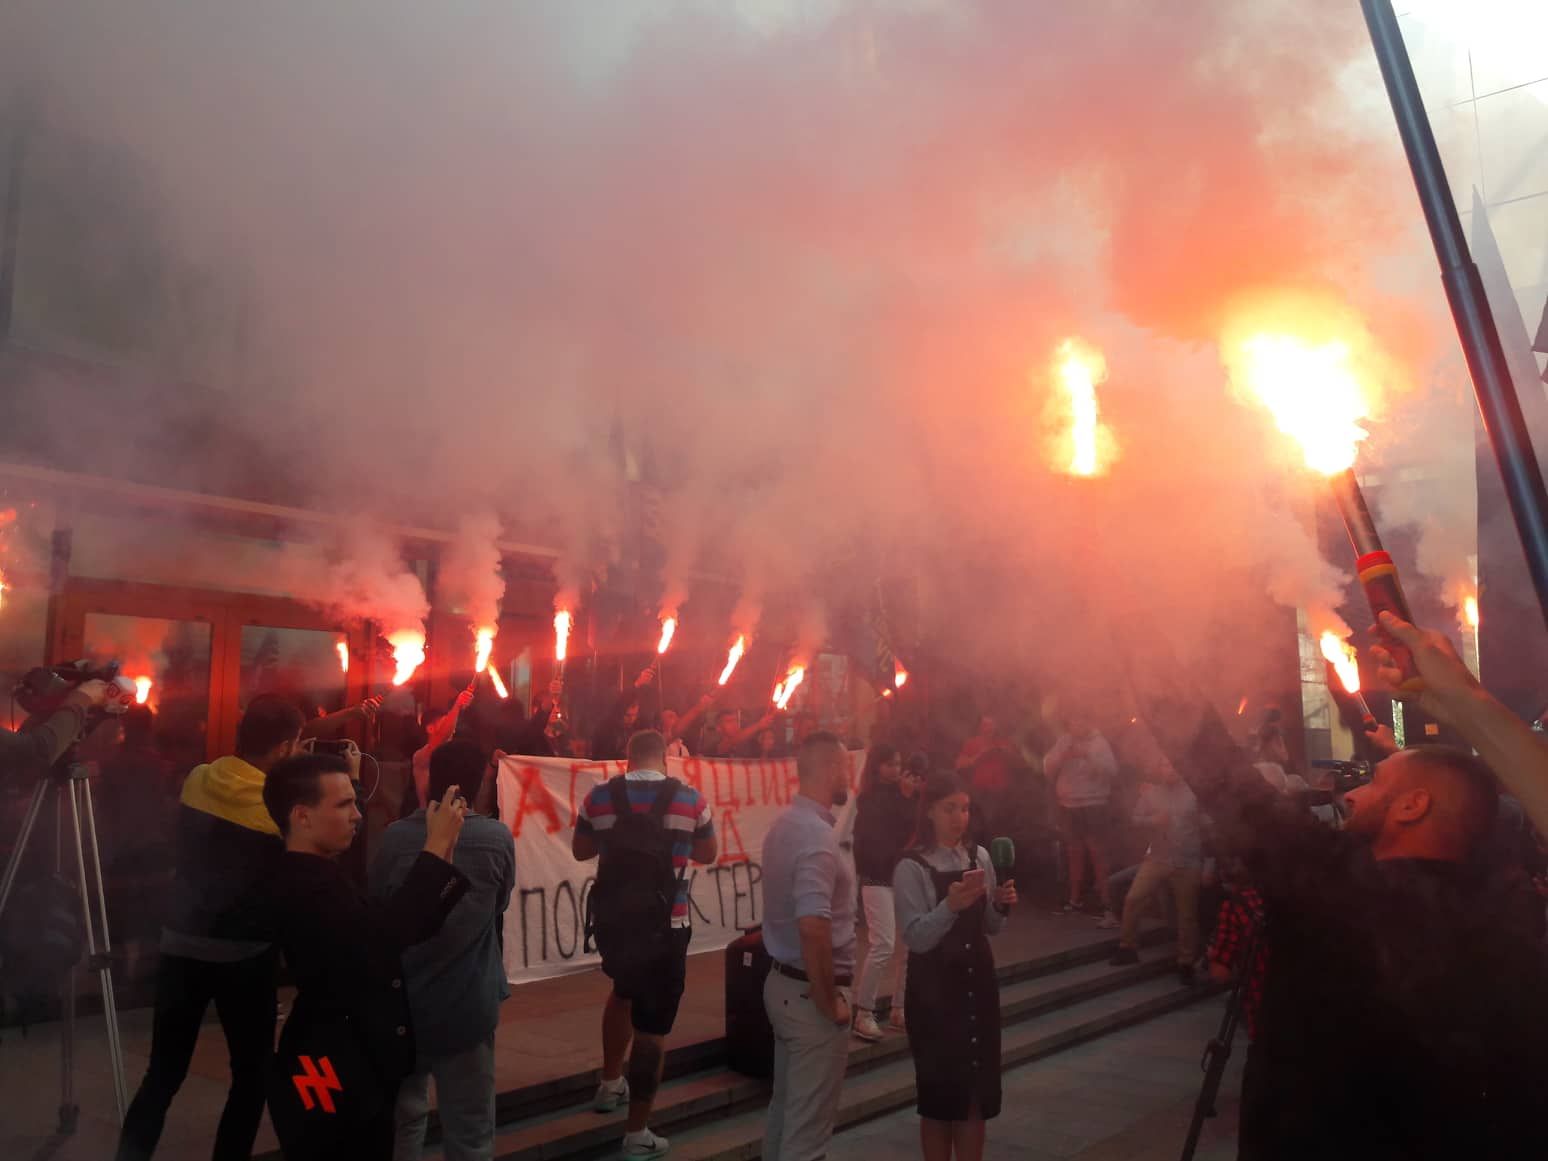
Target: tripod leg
column 69, row 1110
column 19, row 851
column 100, row 962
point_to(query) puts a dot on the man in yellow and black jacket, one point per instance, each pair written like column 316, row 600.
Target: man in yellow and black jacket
column 226, row 843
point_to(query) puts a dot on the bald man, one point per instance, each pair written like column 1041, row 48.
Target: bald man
column 1403, row 1012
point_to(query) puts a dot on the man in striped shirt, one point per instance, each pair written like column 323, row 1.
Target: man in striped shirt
column 643, row 1008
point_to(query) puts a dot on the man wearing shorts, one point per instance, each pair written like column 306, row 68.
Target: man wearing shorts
column 1081, row 767
column 643, row 1005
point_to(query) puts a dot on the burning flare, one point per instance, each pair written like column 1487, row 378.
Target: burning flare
column 738, row 647
column 784, row 690
column 142, row 688
column 1087, row 448
column 485, row 636
column 1344, row 660
column 668, row 630
column 1470, row 611
column 899, row 674
column 563, row 622
column 1311, row 389
column 342, row 648
column 408, row 653
column 499, row 686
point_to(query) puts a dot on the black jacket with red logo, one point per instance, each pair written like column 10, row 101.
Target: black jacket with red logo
column 351, row 1021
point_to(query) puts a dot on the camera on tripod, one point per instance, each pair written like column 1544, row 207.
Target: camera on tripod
column 44, row 689
column 1347, row 776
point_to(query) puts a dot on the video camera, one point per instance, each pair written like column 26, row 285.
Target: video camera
column 1347, row 776
column 44, row 689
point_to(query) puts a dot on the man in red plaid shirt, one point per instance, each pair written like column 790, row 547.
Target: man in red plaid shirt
column 1240, row 918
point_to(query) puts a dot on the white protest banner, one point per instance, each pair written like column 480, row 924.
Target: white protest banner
column 539, row 798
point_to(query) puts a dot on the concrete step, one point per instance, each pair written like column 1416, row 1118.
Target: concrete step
column 683, row 1061
column 1034, row 993
column 890, row 1088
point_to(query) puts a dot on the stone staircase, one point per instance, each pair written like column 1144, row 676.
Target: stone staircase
column 1048, row 1004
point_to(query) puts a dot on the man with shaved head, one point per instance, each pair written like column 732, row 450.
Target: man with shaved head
column 1434, row 802
column 1405, row 1007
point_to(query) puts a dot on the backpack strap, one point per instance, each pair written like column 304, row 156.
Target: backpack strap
column 618, row 791
column 658, row 811
column 917, row 857
column 665, row 796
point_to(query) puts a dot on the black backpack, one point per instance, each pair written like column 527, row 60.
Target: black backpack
column 629, row 908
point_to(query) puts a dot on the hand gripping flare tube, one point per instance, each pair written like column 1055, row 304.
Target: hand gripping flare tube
column 1378, row 575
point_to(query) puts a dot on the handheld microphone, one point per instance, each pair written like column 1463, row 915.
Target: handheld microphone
column 1002, row 853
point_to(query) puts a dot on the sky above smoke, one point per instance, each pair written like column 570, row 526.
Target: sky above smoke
column 804, row 266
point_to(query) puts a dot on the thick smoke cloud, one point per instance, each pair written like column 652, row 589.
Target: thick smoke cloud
column 804, row 267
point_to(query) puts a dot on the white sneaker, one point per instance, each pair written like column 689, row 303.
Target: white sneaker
column 644, row 1144
column 866, row 1028
column 1108, row 922
column 611, row 1095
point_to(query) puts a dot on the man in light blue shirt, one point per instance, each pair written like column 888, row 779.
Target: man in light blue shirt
column 809, row 932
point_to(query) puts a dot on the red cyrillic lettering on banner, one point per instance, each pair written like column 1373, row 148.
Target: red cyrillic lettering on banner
column 732, row 848
column 535, row 799
column 725, row 794
column 693, row 773
column 575, row 769
column 771, row 783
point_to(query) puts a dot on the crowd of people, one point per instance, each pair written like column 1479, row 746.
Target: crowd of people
column 1388, row 938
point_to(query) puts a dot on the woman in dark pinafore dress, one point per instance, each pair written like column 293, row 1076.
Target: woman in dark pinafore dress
column 948, row 905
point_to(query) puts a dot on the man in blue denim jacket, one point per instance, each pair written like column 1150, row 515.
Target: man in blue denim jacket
column 456, row 980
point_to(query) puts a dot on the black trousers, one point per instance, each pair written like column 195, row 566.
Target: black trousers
column 244, row 998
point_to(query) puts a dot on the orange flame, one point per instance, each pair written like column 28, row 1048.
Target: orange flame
column 499, row 686
column 1312, row 390
column 342, row 648
column 484, row 635
column 1241, row 707
column 1344, row 660
column 563, row 622
column 668, row 630
column 408, row 653
column 142, row 688
column 1470, row 610
column 899, row 674
column 1087, row 448
column 784, row 690
column 738, row 647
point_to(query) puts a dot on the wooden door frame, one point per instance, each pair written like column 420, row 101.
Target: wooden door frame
column 226, row 613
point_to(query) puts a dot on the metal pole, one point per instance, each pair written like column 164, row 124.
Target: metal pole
column 1497, row 399
column 10, row 216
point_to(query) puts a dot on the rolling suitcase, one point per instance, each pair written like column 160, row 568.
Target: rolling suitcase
column 749, row 1038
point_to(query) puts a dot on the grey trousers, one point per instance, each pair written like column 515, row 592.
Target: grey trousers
column 465, row 1096
column 810, row 1054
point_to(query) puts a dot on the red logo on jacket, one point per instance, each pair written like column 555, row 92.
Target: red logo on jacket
column 318, row 1079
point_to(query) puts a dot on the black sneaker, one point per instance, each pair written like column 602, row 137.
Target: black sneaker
column 1185, row 975
column 1124, row 957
